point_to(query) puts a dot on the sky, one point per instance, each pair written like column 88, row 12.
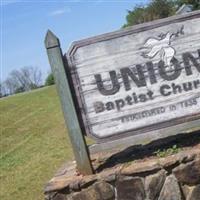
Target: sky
column 24, row 24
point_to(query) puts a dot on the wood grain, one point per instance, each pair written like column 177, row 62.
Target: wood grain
column 124, row 48
column 75, row 134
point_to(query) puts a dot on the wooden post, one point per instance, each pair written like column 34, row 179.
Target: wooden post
column 75, row 134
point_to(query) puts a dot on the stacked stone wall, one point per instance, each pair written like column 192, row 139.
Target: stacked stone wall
column 175, row 177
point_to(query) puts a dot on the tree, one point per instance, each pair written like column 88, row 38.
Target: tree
column 194, row 3
column 49, row 80
column 24, row 79
column 2, row 92
column 32, row 76
column 10, row 85
column 156, row 9
column 19, row 90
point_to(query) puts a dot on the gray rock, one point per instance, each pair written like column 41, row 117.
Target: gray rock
column 144, row 167
column 106, row 190
column 87, row 181
column 129, row 188
column 186, row 157
column 188, row 173
column 99, row 191
column 170, row 190
column 56, row 196
column 110, row 179
column 195, row 195
column 154, row 183
column 187, row 190
column 90, row 194
column 168, row 162
column 50, row 195
column 75, row 186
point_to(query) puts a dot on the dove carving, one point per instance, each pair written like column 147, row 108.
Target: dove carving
column 161, row 47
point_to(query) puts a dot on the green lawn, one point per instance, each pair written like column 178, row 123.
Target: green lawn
column 33, row 143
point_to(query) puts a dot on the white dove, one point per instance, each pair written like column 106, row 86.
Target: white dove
column 161, row 46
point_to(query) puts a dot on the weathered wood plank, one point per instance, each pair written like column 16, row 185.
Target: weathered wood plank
column 184, row 128
column 71, row 120
column 170, row 87
column 127, row 46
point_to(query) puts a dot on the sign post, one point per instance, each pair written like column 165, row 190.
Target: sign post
column 75, row 134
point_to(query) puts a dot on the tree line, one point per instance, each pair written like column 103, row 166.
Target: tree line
column 157, row 9
column 24, row 79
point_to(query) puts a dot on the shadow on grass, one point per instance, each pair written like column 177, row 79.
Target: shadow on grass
column 143, row 151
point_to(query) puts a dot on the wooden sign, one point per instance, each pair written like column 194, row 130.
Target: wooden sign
column 139, row 79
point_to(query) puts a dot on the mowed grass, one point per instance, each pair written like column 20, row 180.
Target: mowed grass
column 33, row 143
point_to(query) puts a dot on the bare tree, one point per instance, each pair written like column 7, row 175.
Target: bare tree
column 32, row 76
column 3, row 89
column 18, row 79
column 10, row 86
column 24, row 79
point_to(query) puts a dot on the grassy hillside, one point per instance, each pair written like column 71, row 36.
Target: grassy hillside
column 33, row 143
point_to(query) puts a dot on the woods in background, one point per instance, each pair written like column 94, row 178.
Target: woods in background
column 24, row 79
column 157, row 9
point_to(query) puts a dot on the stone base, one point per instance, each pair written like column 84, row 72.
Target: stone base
column 175, row 177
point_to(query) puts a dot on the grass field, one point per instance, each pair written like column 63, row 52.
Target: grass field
column 33, row 143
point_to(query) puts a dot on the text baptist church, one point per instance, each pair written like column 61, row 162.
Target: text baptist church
column 139, row 78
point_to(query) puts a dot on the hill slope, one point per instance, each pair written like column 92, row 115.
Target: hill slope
column 33, row 143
